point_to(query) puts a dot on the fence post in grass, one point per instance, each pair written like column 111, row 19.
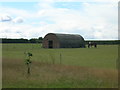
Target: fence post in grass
column 52, row 58
column 60, row 58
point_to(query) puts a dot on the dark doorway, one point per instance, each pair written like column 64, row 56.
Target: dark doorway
column 50, row 43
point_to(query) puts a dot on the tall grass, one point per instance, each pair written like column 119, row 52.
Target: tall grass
column 46, row 75
column 80, row 68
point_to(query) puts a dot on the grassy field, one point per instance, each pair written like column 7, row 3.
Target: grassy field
column 79, row 67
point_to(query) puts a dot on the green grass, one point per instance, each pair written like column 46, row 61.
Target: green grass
column 80, row 68
column 103, row 56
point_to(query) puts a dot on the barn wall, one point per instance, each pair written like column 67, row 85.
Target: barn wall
column 50, row 37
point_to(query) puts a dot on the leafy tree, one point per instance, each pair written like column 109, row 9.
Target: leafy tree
column 28, row 61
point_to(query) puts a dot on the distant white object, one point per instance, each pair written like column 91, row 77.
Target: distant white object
column 89, row 42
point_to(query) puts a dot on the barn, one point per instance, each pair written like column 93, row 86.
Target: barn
column 56, row 40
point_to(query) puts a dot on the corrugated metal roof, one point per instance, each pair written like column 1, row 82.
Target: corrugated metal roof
column 70, row 40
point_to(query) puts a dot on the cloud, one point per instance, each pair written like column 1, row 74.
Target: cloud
column 101, row 16
column 5, row 18
column 18, row 20
column 92, row 20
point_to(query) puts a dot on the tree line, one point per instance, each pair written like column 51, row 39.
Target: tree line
column 40, row 39
column 104, row 42
column 33, row 40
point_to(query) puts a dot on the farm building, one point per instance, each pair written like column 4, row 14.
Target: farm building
column 55, row 40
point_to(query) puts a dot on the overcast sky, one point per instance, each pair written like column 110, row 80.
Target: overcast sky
column 93, row 19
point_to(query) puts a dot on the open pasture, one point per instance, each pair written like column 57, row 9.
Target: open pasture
column 74, row 68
